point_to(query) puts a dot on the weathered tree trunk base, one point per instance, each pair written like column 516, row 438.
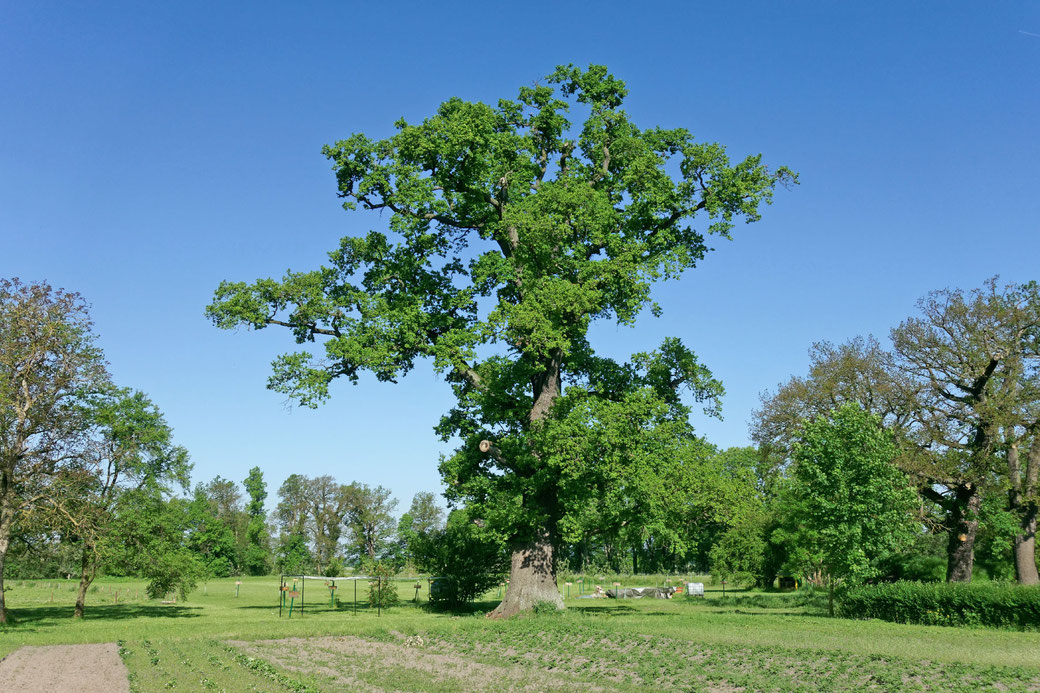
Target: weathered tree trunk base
column 1025, row 551
column 86, row 577
column 5, row 542
column 532, row 580
column 965, row 525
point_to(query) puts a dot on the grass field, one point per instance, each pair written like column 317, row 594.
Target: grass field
column 744, row 641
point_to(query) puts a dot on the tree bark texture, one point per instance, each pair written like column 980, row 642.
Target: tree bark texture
column 532, row 579
column 532, row 572
column 1025, row 550
column 964, row 525
column 1024, row 504
column 85, row 578
column 7, row 508
column 5, row 541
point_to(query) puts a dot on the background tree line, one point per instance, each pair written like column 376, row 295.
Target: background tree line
column 957, row 395
column 916, row 461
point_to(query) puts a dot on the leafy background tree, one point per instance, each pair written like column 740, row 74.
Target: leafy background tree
column 131, row 448
column 257, row 560
column 210, row 537
column 294, row 555
column 423, row 517
column 225, row 501
column 153, row 530
column 368, row 516
column 958, row 392
column 326, row 500
column 48, row 363
column 849, row 505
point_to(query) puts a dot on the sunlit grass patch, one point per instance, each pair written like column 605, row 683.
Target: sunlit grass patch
column 759, row 641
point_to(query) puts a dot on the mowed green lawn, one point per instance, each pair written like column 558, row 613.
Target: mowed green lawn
column 217, row 641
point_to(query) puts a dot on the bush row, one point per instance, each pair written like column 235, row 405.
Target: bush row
column 944, row 604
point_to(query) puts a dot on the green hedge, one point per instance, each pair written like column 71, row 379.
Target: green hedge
column 944, row 604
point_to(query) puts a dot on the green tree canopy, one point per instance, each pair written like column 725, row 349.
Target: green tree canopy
column 511, row 230
column 849, row 505
column 131, row 449
column 49, row 366
column 257, row 559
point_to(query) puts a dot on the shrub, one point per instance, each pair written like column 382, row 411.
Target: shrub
column 944, row 604
column 739, row 555
column 382, row 592
column 546, row 609
column 466, row 559
column 334, row 568
column 925, row 561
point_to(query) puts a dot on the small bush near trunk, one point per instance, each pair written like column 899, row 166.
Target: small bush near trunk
column 945, row 604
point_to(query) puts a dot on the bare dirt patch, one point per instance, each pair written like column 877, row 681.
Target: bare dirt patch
column 365, row 665
column 81, row 668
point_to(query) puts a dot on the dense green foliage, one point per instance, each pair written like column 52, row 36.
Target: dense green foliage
column 382, row 590
column 945, row 604
column 511, row 230
column 959, row 392
column 847, row 505
column 154, row 535
column 466, row 559
column 210, row 538
column 257, row 558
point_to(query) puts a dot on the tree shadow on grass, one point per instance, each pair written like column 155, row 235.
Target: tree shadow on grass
column 342, row 607
column 47, row 615
column 776, row 612
column 611, row 608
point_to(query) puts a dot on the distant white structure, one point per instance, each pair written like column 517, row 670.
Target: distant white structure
column 694, row 589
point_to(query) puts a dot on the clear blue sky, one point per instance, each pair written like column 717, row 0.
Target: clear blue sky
column 150, row 150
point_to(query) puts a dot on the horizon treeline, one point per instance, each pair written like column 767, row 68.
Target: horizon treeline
column 914, row 461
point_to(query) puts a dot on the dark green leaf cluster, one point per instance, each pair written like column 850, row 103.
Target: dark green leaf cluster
column 466, row 558
column 945, row 604
column 382, row 590
column 846, row 505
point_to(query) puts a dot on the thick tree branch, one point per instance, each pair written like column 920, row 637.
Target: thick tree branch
column 427, row 216
column 311, row 327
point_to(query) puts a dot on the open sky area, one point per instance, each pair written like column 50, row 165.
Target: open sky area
column 150, row 150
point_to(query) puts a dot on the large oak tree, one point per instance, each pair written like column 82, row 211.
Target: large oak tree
column 511, row 230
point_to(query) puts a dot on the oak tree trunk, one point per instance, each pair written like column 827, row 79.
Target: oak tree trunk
column 964, row 525
column 532, row 571
column 1024, row 505
column 532, row 579
column 1025, row 549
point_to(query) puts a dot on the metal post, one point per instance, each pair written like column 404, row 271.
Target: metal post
column 281, row 594
column 355, row 595
column 303, row 592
